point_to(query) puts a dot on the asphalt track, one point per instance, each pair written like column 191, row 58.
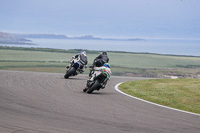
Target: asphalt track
column 33, row 102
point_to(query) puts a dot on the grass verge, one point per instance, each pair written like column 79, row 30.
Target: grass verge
column 122, row 63
column 183, row 94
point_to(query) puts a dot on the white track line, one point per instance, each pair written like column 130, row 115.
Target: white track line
column 117, row 89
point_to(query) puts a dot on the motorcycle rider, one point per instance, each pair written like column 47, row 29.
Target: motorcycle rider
column 83, row 59
column 105, row 69
column 101, row 59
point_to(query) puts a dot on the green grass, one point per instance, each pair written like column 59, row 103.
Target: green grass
column 133, row 60
column 7, row 55
column 122, row 63
column 128, row 60
column 182, row 94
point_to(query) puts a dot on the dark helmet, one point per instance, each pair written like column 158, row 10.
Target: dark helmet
column 104, row 53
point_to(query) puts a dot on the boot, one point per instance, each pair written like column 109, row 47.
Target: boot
column 103, row 85
column 85, row 89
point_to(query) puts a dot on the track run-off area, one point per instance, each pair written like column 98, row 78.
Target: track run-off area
column 38, row 102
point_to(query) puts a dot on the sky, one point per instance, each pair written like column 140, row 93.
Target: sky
column 104, row 18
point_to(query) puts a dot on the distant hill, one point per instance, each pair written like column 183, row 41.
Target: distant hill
column 42, row 36
column 90, row 37
column 10, row 37
column 6, row 38
column 84, row 37
column 87, row 37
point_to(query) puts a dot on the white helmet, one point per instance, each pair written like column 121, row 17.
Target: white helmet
column 83, row 53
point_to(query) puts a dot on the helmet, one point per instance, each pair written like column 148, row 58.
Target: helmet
column 83, row 53
column 107, row 65
column 104, row 53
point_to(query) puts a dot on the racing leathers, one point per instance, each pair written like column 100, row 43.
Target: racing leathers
column 101, row 59
column 83, row 60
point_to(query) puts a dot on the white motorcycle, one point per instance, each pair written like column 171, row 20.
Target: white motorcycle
column 97, row 81
column 76, row 67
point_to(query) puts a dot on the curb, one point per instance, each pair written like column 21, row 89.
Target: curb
column 117, row 89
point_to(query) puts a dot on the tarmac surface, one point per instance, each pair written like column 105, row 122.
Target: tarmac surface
column 34, row 102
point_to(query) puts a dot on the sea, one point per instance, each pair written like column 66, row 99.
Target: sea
column 187, row 47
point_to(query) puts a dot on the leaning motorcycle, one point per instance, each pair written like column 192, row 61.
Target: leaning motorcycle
column 74, row 68
column 99, row 79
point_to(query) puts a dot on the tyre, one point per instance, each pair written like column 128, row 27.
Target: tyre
column 69, row 72
column 94, row 87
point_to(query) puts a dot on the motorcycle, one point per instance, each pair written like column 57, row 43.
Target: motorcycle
column 97, row 81
column 74, row 68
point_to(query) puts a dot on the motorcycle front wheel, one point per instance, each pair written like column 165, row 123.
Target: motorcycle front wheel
column 70, row 72
column 94, row 87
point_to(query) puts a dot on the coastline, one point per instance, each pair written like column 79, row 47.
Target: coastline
column 170, row 47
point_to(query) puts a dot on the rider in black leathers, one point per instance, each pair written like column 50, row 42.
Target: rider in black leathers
column 101, row 59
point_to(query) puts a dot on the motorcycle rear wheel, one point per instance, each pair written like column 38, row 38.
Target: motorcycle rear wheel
column 94, row 87
column 70, row 72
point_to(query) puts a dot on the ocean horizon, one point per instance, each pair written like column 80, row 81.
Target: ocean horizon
column 189, row 47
